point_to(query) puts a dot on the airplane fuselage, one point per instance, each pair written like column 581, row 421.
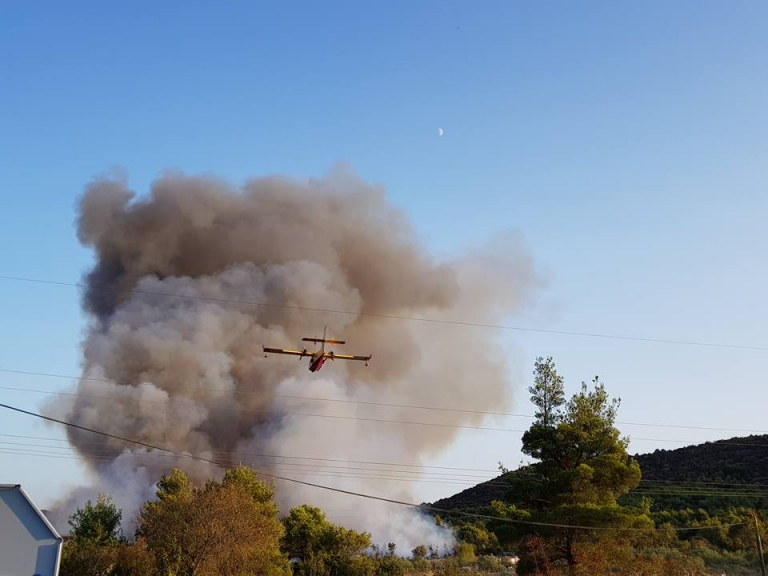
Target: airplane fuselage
column 316, row 363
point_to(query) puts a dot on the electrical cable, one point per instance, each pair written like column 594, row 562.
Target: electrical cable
column 375, row 420
column 404, row 465
column 336, row 417
column 354, row 493
column 386, row 316
column 351, row 476
column 420, row 467
column 347, row 401
column 365, row 473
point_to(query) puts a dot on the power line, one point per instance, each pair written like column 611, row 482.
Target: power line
column 375, row 420
column 321, row 473
column 350, row 492
column 647, row 485
column 703, row 482
column 299, row 473
column 387, row 316
column 363, row 419
column 695, row 488
column 703, row 494
column 289, row 397
column 373, row 476
column 357, row 402
column 99, row 449
column 313, row 458
column 285, row 413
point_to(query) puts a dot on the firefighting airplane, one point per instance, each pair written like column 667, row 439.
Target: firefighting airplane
column 318, row 358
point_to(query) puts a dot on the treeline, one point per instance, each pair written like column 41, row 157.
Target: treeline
column 231, row 528
column 727, row 542
column 575, row 511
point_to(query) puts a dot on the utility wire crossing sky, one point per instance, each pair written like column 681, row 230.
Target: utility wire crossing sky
column 391, row 316
column 358, row 494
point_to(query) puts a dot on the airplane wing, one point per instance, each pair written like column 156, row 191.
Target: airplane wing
column 347, row 357
column 281, row 351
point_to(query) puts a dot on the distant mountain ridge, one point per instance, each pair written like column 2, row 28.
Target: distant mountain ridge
column 740, row 460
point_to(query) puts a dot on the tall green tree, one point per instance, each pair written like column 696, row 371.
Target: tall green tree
column 547, row 391
column 583, row 459
column 582, row 468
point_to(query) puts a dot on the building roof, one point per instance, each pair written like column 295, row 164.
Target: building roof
column 54, row 533
column 30, row 543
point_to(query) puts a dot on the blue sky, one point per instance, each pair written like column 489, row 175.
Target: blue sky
column 627, row 141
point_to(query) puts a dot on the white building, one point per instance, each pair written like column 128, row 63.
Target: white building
column 29, row 545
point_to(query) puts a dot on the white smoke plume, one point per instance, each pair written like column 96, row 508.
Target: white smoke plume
column 188, row 372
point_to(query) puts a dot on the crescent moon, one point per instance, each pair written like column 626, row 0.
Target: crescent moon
column 439, row 131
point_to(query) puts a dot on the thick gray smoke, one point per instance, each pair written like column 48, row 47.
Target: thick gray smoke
column 267, row 265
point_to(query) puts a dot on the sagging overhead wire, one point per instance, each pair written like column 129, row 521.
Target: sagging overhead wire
column 359, row 418
column 286, row 413
column 311, row 458
column 365, row 403
column 379, row 475
column 354, row 493
column 386, row 316
column 322, row 473
column 752, row 495
column 420, row 469
column 299, row 473
column 96, row 449
column 672, row 487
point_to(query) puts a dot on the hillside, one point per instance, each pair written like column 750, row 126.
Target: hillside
column 736, row 460
column 709, row 475
column 477, row 496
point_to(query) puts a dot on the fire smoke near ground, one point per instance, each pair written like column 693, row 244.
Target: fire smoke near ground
column 189, row 373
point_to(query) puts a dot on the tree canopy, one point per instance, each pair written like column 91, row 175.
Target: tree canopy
column 226, row 528
column 320, row 547
column 582, row 459
column 98, row 523
column 95, row 534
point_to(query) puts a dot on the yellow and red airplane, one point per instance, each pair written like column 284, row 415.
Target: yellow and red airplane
column 318, row 358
